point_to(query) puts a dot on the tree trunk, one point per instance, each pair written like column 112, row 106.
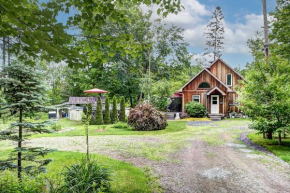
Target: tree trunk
column 19, row 164
column 269, row 135
column 280, row 140
column 264, row 135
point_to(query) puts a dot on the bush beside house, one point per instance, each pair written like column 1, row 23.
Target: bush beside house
column 195, row 109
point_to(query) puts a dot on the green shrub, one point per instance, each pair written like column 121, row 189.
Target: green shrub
column 28, row 185
column 121, row 125
column 146, row 118
column 99, row 112
column 122, row 110
column 107, row 117
column 115, row 111
column 90, row 113
column 56, row 127
column 86, row 177
column 195, row 109
column 160, row 102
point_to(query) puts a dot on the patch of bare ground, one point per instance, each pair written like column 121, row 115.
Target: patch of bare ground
column 205, row 168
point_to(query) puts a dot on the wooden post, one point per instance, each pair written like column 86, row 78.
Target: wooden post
column 183, row 102
column 223, row 104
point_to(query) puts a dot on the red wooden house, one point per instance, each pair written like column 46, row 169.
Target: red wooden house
column 214, row 87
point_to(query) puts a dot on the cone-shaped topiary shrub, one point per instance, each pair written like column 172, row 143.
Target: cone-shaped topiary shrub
column 90, row 113
column 107, row 118
column 99, row 113
column 146, row 118
column 115, row 111
column 85, row 110
column 122, row 110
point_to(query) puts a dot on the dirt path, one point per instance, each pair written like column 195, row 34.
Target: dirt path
column 229, row 166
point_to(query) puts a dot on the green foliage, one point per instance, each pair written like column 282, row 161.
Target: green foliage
column 265, row 95
column 25, row 95
column 85, row 109
column 160, row 102
column 90, row 113
column 56, row 127
column 86, row 177
column 122, row 110
column 115, row 110
column 195, row 109
column 215, row 34
column 11, row 185
column 273, row 146
column 99, row 113
column 145, row 118
column 161, row 91
column 107, row 116
column 121, row 125
column 280, row 31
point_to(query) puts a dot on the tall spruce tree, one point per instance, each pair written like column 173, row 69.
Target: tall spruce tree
column 122, row 109
column 99, row 112
column 107, row 117
column 214, row 34
column 25, row 95
column 115, row 110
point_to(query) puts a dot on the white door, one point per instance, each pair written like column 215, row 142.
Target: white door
column 214, row 104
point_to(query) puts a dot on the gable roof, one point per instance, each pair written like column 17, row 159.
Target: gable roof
column 216, row 88
column 227, row 66
column 180, row 90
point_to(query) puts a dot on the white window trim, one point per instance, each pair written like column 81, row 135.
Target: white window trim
column 227, row 79
column 194, row 96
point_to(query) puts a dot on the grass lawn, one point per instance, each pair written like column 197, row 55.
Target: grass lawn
column 173, row 126
column 282, row 151
column 125, row 177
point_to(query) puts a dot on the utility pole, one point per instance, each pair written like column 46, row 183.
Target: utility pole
column 266, row 29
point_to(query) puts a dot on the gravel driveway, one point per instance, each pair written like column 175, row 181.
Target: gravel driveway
column 199, row 166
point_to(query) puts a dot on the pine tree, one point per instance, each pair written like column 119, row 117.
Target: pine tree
column 99, row 112
column 107, row 118
column 25, row 95
column 122, row 109
column 115, row 111
column 215, row 34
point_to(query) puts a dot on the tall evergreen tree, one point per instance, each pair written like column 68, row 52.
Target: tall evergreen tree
column 107, row 117
column 25, row 95
column 99, row 112
column 122, row 109
column 115, row 110
column 214, row 34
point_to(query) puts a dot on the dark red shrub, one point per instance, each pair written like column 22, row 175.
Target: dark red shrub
column 146, row 118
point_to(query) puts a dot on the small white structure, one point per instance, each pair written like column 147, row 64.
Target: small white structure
column 75, row 114
column 177, row 117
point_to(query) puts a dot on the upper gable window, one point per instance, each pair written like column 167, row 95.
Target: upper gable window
column 229, row 79
column 204, row 85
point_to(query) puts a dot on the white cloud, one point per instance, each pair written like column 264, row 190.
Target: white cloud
column 194, row 19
